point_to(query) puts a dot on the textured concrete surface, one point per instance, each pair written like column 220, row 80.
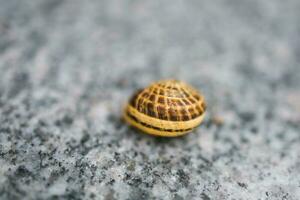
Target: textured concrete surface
column 67, row 67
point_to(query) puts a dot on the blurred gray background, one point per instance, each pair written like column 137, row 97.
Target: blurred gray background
column 67, row 68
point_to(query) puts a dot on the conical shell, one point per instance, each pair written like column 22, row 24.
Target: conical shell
column 166, row 108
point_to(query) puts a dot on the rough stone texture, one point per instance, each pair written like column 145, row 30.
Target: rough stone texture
column 67, row 67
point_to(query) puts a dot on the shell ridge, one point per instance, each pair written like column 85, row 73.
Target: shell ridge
column 144, row 108
column 167, row 108
column 174, row 129
column 191, row 97
column 137, row 104
column 186, row 111
column 144, row 103
column 154, row 104
column 151, row 103
column 145, row 118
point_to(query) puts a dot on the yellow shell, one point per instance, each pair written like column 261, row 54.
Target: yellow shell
column 166, row 108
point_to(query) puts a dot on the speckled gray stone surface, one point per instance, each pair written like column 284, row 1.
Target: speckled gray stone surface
column 68, row 67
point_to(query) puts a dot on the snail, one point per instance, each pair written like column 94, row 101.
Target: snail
column 166, row 108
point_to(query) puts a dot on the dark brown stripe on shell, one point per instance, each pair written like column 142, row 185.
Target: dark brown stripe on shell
column 179, row 103
column 162, row 113
column 186, row 102
column 191, row 110
column 173, row 114
column 155, row 90
column 191, row 100
column 150, row 109
column 185, row 93
column 156, row 128
column 197, row 97
column 193, row 113
column 172, row 88
column 140, row 105
column 161, row 100
column 152, row 97
column 145, row 94
column 161, row 92
column 185, row 115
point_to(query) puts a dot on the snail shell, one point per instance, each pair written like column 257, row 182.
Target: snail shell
column 166, row 108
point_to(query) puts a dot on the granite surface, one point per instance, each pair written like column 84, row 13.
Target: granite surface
column 68, row 66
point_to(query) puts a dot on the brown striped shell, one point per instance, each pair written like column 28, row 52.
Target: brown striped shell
column 166, row 108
